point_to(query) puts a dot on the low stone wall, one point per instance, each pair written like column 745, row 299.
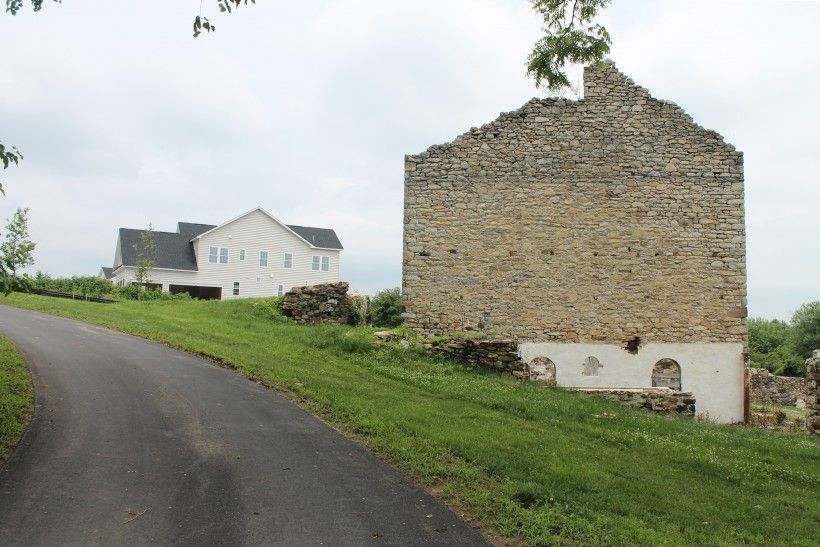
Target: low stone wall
column 327, row 303
column 813, row 393
column 778, row 390
column 501, row 355
column 660, row 399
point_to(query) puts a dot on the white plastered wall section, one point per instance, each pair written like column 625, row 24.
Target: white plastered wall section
column 713, row 372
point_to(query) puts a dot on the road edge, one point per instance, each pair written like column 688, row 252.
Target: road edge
column 23, row 440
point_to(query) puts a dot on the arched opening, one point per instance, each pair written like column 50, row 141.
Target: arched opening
column 542, row 369
column 591, row 366
column 666, row 373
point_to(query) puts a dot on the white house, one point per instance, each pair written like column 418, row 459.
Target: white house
column 252, row 255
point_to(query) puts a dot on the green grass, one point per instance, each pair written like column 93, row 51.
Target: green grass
column 792, row 412
column 530, row 463
column 16, row 397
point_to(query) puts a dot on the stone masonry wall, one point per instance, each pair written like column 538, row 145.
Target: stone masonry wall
column 325, row 303
column 500, row 355
column 664, row 400
column 778, row 390
column 813, row 393
column 598, row 220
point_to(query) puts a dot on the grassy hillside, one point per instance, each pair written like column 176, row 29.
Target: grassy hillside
column 529, row 463
column 16, row 397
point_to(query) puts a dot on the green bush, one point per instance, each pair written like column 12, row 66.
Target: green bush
column 269, row 308
column 771, row 346
column 386, row 308
column 358, row 310
column 82, row 285
column 806, row 325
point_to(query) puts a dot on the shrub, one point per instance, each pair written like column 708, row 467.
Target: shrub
column 82, row 285
column 771, row 346
column 269, row 308
column 386, row 308
column 806, row 325
column 359, row 306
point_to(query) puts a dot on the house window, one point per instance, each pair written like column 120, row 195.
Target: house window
column 223, row 255
column 241, row 254
column 281, row 290
column 288, row 260
column 213, row 255
column 236, row 288
column 325, row 263
column 315, row 264
column 263, row 258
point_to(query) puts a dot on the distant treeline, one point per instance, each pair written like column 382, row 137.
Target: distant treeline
column 89, row 285
column 783, row 347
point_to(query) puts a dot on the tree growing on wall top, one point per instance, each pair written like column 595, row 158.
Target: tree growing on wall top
column 571, row 35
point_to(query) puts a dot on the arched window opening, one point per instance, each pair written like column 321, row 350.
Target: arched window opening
column 666, row 373
column 542, row 369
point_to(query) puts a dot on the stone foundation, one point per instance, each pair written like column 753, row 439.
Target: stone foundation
column 661, row 399
column 813, row 393
column 778, row 390
column 318, row 304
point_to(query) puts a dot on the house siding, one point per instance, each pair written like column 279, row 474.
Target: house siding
column 256, row 232
column 253, row 232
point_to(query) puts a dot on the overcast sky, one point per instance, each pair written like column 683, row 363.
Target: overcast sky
column 308, row 108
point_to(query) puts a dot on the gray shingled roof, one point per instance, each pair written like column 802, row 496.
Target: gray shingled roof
column 173, row 250
column 191, row 229
column 318, row 237
column 107, row 272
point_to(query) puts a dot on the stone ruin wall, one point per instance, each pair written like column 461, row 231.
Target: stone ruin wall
column 327, row 303
column 597, row 220
column 779, row 390
column 813, row 393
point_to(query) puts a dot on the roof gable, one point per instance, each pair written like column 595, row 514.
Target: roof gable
column 315, row 238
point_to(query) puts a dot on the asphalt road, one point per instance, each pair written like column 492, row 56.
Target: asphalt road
column 133, row 443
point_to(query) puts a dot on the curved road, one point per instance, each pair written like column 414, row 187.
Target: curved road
column 133, row 443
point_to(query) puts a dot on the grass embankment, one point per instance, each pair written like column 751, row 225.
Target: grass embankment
column 16, row 397
column 529, row 463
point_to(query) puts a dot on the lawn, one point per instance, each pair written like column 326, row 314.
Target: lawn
column 527, row 463
column 16, row 397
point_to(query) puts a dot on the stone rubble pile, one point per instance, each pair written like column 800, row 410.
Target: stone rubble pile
column 327, row 303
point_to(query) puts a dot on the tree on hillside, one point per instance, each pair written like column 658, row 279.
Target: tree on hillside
column 17, row 250
column 145, row 249
column 806, row 325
